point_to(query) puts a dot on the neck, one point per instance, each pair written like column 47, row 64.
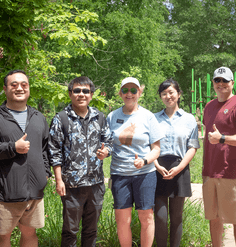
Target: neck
column 171, row 111
column 81, row 112
column 130, row 110
column 223, row 98
column 16, row 106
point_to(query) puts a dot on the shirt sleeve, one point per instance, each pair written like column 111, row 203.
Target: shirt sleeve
column 45, row 149
column 193, row 141
column 155, row 131
column 55, row 143
column 106, row 135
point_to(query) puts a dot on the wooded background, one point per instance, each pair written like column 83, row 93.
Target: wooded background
column 55, row 41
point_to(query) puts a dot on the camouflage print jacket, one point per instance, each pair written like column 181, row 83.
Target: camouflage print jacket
column 78, row 159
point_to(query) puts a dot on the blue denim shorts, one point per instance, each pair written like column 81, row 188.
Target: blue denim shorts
column 139, row 189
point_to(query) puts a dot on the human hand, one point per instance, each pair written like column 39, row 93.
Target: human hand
column 22, row 146
column 138, row 162
column 172, row 173
column 102, row 152
column 214, row 137
column 60, row 188
column 162, row 170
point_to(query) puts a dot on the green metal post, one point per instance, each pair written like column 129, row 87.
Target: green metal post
column 208, row 88
column 192, row 91
column 234, row 83
column 195, row 99
column 200, row 101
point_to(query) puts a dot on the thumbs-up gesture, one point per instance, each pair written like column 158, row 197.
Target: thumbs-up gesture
column 214, row 137
column 138, row 162
column 22, row 146
column 102, row 152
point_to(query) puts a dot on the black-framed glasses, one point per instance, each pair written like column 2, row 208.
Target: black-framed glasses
column 125, row 90
column 217, row 80
column 78, row 90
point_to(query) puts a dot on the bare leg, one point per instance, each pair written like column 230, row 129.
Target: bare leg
column 216, row 228
column 147, row 227
column 123, row 221
column 5, row 240
column 28, row 236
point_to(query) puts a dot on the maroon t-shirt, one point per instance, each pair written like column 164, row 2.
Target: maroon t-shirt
column 220, row 159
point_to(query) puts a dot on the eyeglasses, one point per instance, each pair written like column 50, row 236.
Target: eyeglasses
column 125, row 90
column 78, row 90
column 217, row 80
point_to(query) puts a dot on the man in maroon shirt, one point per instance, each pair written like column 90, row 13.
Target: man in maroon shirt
column 219, row 159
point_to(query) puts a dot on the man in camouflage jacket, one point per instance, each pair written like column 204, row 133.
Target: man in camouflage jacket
column 78, row 161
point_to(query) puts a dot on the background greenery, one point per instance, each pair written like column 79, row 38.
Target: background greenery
column 54, row 41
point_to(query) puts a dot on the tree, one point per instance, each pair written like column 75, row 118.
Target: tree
column 207, row 38
column 24, row 23
column 136, row 38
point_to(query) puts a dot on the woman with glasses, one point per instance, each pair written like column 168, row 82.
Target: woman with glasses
column 133, row 174
column 178, row 147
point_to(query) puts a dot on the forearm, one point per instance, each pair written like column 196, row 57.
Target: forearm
column 57, row 172
column 154, row 154
column 187, row 158
column 230, row 140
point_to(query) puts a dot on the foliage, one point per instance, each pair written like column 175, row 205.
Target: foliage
column 206, row 37
column 24, row 24
column 136, row 38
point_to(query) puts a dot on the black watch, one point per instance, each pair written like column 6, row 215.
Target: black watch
column 145, row 161
column 222, row 139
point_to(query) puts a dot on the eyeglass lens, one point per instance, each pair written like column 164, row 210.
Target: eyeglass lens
column 125, row 90
column 78, row 90
column 217, row 80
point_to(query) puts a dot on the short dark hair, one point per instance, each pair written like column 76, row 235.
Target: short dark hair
column 167, row 83
column 82, row 80
column 14, row 72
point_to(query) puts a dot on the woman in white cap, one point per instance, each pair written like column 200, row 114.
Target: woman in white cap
column 133, row 174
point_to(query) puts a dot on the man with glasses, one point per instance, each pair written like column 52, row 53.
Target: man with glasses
column 219, row 159
column 77, row 162
column 24, row 166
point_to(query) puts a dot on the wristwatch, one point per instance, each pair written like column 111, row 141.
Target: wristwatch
column 222, row 139
column 145, row 161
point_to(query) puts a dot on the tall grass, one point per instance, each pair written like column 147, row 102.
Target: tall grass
column 195, row 227
column 196, row 165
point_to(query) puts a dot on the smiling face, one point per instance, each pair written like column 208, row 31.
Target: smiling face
column 130, row 99
column 223, row 90
column 80, row 100
column 17, row 89
column 170, row 97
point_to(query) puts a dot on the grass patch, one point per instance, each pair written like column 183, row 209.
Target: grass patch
column 196, row 165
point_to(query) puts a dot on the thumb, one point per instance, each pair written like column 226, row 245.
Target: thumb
column 214, row 127
column 102, row 147
column 136, row 156
column 24, row 137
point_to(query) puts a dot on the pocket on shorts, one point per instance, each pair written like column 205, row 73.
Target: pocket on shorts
column 205, row 179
